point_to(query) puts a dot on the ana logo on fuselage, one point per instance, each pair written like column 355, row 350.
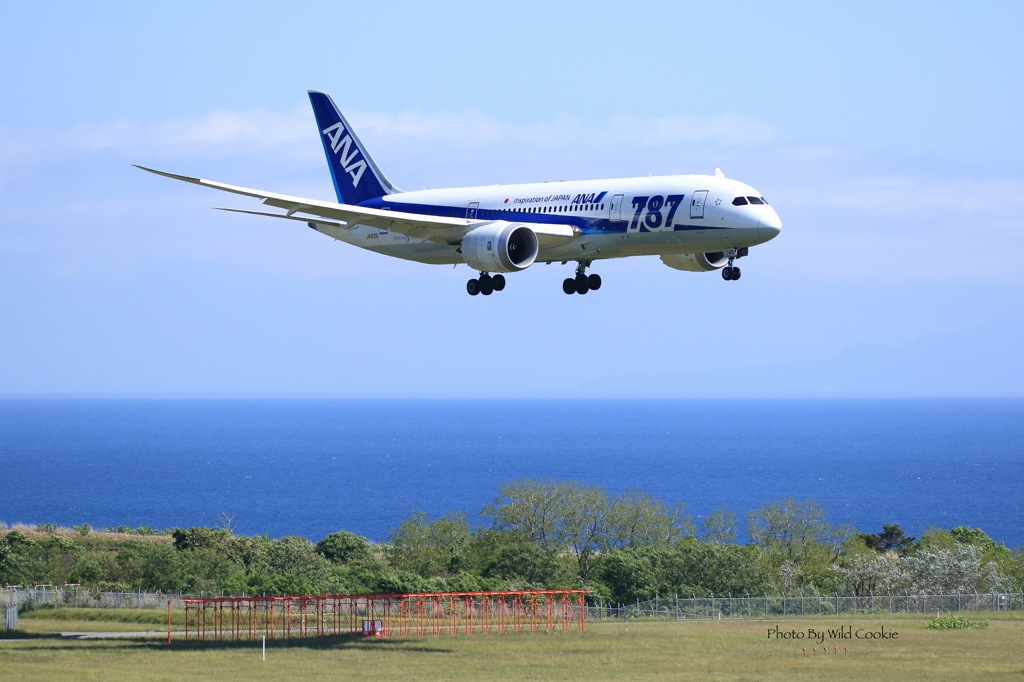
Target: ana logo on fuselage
column 594, row 198
column 348, row 154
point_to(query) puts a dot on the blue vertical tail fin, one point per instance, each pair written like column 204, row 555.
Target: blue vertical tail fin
column 356, row 177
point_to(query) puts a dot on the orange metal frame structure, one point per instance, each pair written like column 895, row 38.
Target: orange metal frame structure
column 381, row 615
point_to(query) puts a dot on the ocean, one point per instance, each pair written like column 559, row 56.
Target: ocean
column 310, row 467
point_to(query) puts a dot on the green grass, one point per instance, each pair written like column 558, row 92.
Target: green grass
column 726, row 650
column 44, row 621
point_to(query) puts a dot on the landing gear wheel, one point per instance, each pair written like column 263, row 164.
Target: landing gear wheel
column 581, row 283
column 727, row 273
column 735, row 274
column 486, row 286
column 498, row 282
column 473, row 287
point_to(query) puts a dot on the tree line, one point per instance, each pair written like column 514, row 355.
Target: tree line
column 537, row 535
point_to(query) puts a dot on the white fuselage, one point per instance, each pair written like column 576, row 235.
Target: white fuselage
column 609, row 218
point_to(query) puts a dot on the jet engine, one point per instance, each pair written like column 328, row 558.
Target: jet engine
column 500, row 247
column 695, row 262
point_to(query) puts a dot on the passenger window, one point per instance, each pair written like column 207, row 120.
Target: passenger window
column 755, row 200
column 739, row 201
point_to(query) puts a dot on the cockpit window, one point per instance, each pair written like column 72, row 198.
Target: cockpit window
column 739, row 201
column 755, row 200
column 764, row 200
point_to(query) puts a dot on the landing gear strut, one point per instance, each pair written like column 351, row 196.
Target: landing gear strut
column 582, row 283
column 731, row 272
column 486, row 285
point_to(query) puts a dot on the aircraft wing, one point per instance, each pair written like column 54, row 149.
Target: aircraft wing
column 425, row 227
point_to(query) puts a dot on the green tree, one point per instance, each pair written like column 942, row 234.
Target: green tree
column 141, row 565
column 635, row 519
column 16, row 558
column 787, row 528
column 962, row 569
column 634, row 573
column 713, row 568
column 344, row 547
column 973, row 536
column 505, row 555
column 437, row 548
column 1009, row 563
column 9, row 573
column 869, row 574
column 720, row 527
column 199, row 537
column 556, row 516
column 290, row 565
column 582, row 512
column 57, row 557
column 532, row 509
column 892, row 538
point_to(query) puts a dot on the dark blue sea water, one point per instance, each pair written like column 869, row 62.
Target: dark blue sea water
column 311, row 467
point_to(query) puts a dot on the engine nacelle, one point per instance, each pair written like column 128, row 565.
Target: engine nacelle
column 695, row 262
column 500, row 247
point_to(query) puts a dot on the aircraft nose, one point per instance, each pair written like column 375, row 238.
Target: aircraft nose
column 769, row 222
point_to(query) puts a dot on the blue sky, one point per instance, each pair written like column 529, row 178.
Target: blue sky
column 887, row 137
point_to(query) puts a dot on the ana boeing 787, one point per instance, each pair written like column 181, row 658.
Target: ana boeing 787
column 697, row 223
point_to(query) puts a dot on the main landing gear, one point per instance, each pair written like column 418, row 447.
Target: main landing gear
column 582, row 282
column 486, row 285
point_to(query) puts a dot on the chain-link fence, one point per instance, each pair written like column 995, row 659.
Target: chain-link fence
column 47, row 596
column 765, row 606
column 677, row 608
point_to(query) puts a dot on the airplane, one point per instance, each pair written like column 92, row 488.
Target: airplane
column 696, row 223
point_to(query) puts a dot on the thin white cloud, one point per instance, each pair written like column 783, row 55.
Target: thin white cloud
column 472, row 128
column 231, row 133
column 726, row 129
column 219, row 133
column 902, row 194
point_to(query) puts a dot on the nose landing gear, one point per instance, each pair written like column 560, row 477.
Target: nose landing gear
column 731, row 272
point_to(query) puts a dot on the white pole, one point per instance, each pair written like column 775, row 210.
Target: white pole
column 264, row 647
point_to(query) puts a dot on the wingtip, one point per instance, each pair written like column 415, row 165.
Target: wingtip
column 173, row 176
column 149, row 170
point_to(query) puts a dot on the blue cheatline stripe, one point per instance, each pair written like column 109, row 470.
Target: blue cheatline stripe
column 586, row 225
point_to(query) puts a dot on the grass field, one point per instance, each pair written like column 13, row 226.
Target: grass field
column 725, row 650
